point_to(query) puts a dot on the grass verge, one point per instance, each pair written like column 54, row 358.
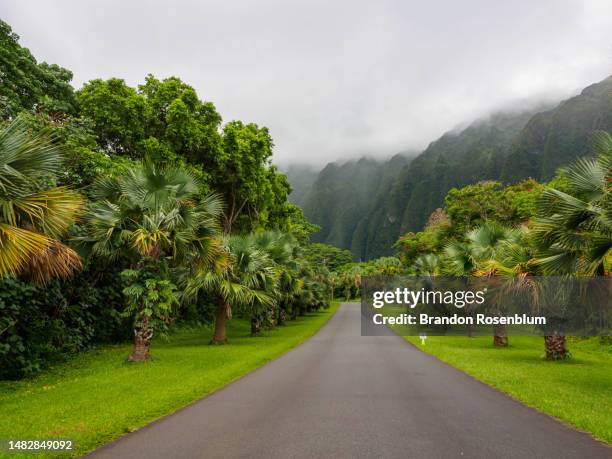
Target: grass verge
column 577, row 391
column 98, row 396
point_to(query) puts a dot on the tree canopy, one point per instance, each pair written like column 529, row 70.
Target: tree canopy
column 26, row 84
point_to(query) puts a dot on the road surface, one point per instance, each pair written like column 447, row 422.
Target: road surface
column 341, row 395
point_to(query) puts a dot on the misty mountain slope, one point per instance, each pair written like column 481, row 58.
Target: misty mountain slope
column 301, row 177
column 506, row 146
column 344, row 193
column 456, row 159
column 557, row 137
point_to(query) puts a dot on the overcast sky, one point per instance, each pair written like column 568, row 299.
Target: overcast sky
column 333, row 79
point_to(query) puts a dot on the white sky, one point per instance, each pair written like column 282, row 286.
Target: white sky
column 333, row 79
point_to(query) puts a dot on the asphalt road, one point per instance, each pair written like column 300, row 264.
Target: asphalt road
column 343, row 395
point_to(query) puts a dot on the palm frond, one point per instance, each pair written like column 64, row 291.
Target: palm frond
column 54, row 261
column 25, row 156
column 53, row 210
column 18, row 246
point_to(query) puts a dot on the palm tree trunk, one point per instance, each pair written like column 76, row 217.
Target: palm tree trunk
column 143, row 333
column 555, row 346
column 272, row 317
column 500, row 337
column 220, row 336
column 255, row 326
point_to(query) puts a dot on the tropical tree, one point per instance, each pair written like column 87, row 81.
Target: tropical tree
column 151, row 219
column 573, row 228
column 243, row 282
column 514, row 258
column 326, row 255
column 29, row 85
column 487, row 242
column 332, row 280
column 479, row 256
column 245, row 178
column 460, row 259
column 387, row 266
column 313, row 294
column 350, row 279
column 460, row 263
column 33, row 215
column 281, row 248
column 291, row 286
column 429, row 265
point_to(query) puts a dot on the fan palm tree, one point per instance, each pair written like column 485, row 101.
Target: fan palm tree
column 332, row 281
column 281, row 248
column 313, row 294
column 150, row 219
column 34, row 216
column 514, row 257
column 351, row 281
column 291, row 286
column 460, row 263
column 574, row 228
column 460, row 260
column 485, row 245
column 487, row 239
column 245, row 281
column 429, row 265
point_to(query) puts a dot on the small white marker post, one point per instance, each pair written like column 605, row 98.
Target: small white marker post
column 423, row 338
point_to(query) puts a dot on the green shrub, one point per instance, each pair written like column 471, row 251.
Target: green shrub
column 43, row 324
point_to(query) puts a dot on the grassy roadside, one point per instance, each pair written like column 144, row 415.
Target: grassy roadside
column 98, row 396
column 577, row 391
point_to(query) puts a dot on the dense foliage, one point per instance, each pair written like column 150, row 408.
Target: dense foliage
column 27, row 84
column 40, row 324
column 168, row 209
column 563, row 228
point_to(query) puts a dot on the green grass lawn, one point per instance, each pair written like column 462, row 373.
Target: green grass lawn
column 577, row 391
column 98, row 396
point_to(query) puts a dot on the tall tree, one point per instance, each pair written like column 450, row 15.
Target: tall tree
column 180, row 121
column 151, row 219
column 27, row 85
column 243, row 176
column 243, row 281
column 161, row 119
column 166, row 122
column 573, row 229
column 117, row 113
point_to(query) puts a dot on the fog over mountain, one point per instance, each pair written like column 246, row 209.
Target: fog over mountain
column 333, row 80
column 366, row 205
